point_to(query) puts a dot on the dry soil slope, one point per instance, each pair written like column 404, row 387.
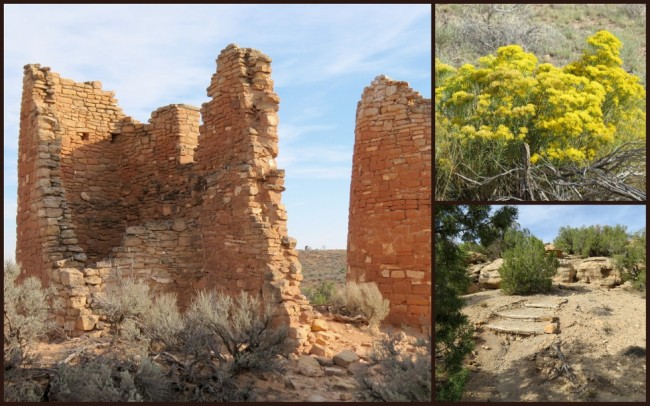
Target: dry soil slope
column 322, row 265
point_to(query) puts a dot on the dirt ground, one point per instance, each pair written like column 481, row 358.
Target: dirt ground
column 602, row 337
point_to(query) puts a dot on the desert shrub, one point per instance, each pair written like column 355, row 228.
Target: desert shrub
column 18, row 389
column 151, row 382
column 526, row 267
column 514, row 128
column 593, row 240
column 127, row 299
column 363, row 299
column 240, row 326
column 404, row 377
column 163, row 321
column 222, row 337
column 321, row 293
column 98, row 380
column 28, row 313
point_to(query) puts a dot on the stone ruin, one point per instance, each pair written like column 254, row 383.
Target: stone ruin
column 181, row 204
column 188, row 206
column 389, row 231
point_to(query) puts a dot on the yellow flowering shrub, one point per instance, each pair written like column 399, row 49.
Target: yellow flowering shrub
column 575, row 113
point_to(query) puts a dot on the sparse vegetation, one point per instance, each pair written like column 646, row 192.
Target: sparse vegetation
column 527, row 268
column 404, row 377
column 156, row 354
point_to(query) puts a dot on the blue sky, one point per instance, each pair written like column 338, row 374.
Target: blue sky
column 544, row 221
column 155, row 55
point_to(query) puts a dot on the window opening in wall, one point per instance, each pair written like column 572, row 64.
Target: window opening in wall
column 84, row 136
column 113, row 137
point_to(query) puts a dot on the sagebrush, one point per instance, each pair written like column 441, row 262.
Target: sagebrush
column 404, row 377
column 363, row 299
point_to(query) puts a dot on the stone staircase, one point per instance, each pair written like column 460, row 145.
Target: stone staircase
column 529, row 317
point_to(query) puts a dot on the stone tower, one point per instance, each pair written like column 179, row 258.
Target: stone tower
column 389, row 231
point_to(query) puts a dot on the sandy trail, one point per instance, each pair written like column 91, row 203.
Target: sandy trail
column 599, row 332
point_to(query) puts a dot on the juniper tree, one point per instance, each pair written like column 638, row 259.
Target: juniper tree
column 452, row 329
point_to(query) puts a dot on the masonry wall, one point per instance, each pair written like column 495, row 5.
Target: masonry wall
column 181, row 205
column 389, row 231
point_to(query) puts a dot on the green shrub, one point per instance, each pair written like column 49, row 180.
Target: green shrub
column 321, row 293
column 592, row 241
column 633, row 260
column 526, row 267
column 469, row 223
column 363, row 299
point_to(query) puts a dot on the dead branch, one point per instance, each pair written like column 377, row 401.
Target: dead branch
column 565, row 366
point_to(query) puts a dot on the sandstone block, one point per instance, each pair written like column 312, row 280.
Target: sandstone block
column 297, row 333
column 308, row 366
column 415, row 274
column 317, row 398
column 132, row 241
column 179, row 225
column 90, row 272
column 86, row 322
column 320, row 350
column 77, row 302
column 319, row 325
column 93, row 280
column 72, row 277
column 490, row 277
column 551, row 328
column 335, row 371
column 345, row 358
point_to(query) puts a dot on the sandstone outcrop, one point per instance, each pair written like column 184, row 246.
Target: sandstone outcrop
column 599, row 270
column 566, row 272
column 490, row 278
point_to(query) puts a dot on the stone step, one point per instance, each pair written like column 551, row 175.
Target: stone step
column 536, row 314
column 517, row 327
column 545, row 303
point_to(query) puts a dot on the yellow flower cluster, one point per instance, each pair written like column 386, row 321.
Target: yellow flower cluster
column 564, row 114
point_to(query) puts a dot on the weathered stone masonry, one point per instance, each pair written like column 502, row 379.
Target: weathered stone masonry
column 183, row 205
column 389, row 232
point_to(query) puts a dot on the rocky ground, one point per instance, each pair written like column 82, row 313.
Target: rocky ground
column 594, row 353
column 343, row 350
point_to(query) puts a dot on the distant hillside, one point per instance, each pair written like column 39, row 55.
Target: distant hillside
column 322, row 265
column 555, row 33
